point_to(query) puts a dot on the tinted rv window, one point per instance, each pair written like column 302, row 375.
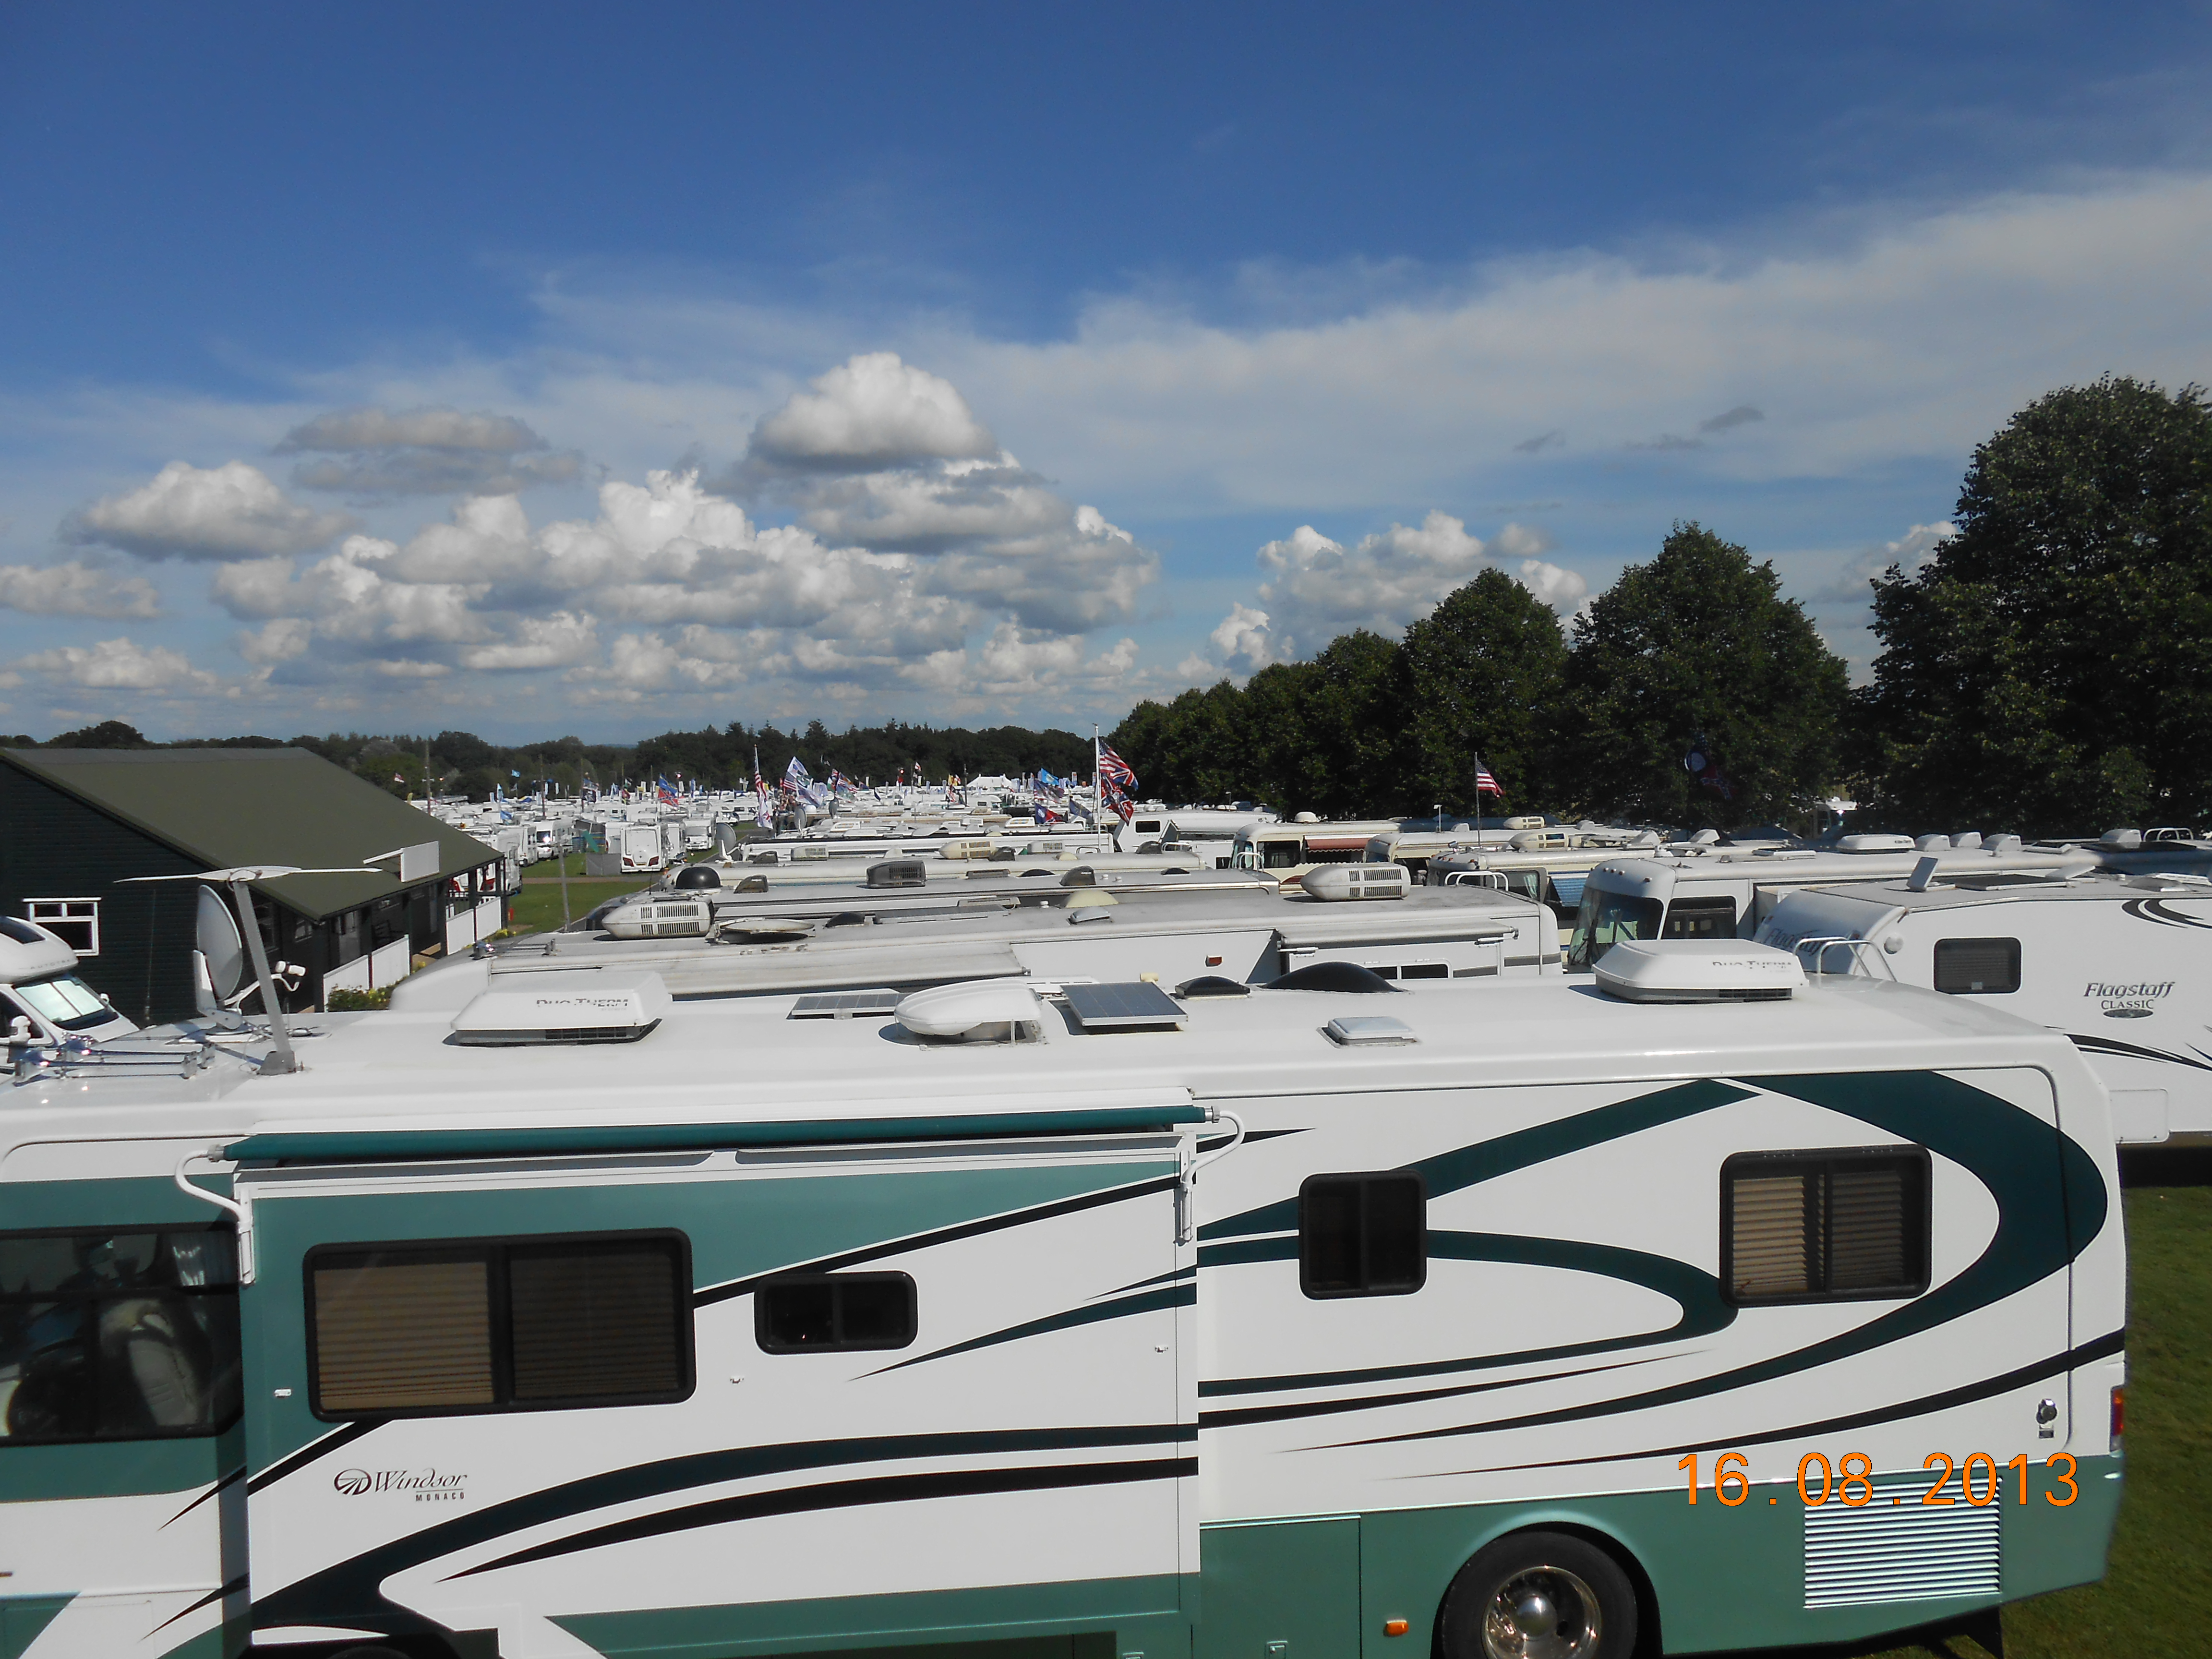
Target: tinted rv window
column 1604, row 919
column 815, row 1312
column 1978, row 967
column 1822, row 1226
column 1700, row 918
column 117, row 1335
column 520, row 1324
column 1363, row 1235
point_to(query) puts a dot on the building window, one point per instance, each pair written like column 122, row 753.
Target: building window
column 75, row 921
column 1700, row 918
column 1363, row 1235
column 817, row 1313
column 118, row 1335
column 1978, row 967
column 514, row 1325
column 1824, row 1226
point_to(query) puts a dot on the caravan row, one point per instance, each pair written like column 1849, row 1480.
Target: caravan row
column 1696, row 1306
column 2094, row 941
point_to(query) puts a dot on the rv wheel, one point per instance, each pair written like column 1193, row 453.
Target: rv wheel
column 1539, row 1595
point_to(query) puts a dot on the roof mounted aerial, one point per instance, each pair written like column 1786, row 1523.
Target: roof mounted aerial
column 281, row 1061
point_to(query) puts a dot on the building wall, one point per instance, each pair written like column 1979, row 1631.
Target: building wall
column 54, row 846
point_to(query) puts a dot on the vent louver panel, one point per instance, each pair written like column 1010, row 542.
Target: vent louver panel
column 1904, row 1551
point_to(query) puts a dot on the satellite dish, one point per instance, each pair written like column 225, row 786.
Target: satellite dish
column 217, row 937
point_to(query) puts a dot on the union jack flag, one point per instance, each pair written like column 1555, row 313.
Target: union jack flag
column 1484, row 783
column 1115, row 770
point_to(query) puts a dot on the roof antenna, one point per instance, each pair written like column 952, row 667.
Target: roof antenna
column 283, row 1061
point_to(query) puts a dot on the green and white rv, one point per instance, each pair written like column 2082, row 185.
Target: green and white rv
column 1694, row 1308
column 2122, row 964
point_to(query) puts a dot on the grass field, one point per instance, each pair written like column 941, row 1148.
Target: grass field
column 2156, row 1600
column 537, row 906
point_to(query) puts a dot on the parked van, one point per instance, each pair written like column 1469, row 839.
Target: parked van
column 1547, row 1317
column 39, row 984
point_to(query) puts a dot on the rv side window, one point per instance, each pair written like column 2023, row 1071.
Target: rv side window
column 818, row 1313
column 118, row 1335
column 1700, row 918
column 1978, row 967
column 1824, row 1226
column 509, row 1325
column 1363, row 1235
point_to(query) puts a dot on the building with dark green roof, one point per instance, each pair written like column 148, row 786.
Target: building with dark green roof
column 76, row 823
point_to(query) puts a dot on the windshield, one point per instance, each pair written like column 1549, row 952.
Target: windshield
column 67, row 1001
column 1605, row 919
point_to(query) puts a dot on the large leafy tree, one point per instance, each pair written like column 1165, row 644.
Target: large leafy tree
column 1485, row 671
column 2049, row 669
column 1699, row 646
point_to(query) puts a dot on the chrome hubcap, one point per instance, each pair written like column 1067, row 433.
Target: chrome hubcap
column 1543, row 1612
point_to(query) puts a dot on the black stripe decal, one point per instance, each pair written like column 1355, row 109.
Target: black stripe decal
column 2104, row 1347
column 1693, row 1290
column 309, row 1453
column 346, row 1592
column 1540, row 1143
column 236, row 1474
column 2156, row 910
column 2100, row 1045
column 847, row 1494
column 1242, row 1415
column 715, row 1293
column 235, row 1587
column 2029, row 1167
column 1168, row 1296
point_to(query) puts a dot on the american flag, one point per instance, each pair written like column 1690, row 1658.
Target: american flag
column 1113, row 768
column 1484, row 783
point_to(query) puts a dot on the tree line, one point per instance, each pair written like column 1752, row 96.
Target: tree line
column 718, row 757
column 2045, row 672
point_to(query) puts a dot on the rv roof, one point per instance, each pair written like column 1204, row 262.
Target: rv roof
column 2103, row 887
column 723, row 1073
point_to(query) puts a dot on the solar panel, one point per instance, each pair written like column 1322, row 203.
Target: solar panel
column 1141, row 1006
column 844, row 1004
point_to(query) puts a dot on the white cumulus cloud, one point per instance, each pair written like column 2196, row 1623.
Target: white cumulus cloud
column 117, row 665
column 870, row 412
column 71, row 589
column 187, row 512
column 383, row 454
column 1316, row 588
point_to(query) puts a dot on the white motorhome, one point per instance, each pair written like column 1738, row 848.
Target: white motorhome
column 1701, row 892
column 1095, row 1322
column 2122, row 964
column 1380, row 933
column 39, row 985
column 1207, row 832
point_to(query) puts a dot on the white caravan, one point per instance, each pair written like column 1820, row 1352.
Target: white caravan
column 1240, row 937
column 586, row 1322
column 1207, row 832
column 1702, row 892
column 2121, row 964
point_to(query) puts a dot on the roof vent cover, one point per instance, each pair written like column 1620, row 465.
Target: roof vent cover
column 661, row 916
column 981, row 1010
column 898, row 872
column 1689, row 970
column 557, row 1008
column 1338, row 882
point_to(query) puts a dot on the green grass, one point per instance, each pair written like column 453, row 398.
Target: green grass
column 537, row 906
column 2155, row 1601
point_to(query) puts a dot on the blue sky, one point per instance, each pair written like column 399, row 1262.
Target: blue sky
column 539, row 369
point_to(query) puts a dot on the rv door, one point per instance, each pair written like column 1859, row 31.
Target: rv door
column 773, row 1398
